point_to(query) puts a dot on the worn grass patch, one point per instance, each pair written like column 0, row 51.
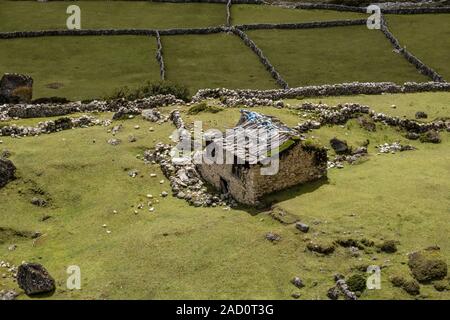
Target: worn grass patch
column 31, row 15
column 86, row 67
column 185, row 252
column 250, row 14
column 333, row 55
column 424, row 35
column 210, row 61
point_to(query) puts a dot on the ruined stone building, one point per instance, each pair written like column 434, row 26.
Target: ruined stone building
column 243, row 178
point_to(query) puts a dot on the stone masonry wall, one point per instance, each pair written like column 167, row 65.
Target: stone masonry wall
column 297, row 165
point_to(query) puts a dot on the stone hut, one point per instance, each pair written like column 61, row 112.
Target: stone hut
column 244, row 178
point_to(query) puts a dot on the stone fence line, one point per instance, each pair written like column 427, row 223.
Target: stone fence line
column 249, row 43
column 229, row 3
column 159, row 57
column 346, row 8
column 422, row 67
column 343, row 89
column 302, row 25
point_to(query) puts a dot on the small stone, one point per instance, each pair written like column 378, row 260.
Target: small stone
column 164, row 194
column 297, row 282
column 161, row 181
column 302, row 227
column 136, row 127
column 273, row 237
column 12, row 247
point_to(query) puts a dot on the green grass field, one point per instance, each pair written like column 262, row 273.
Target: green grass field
column 333, row 55
column 303, row 57
column 426, row 36
column 185, row 252
column 250, row 14
column 31, row 15
column 218, row 60
column 86, row 67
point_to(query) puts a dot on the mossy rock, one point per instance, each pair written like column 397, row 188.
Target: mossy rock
column 389, row 246
column 322, row 248
column 411, row 286
column 427, row 266
column 441, row 285
column 357, row 282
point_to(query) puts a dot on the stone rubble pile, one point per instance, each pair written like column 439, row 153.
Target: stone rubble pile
column 52, row 126
column 339, row 160
column 175, row 117
column 153, row 115
column 8, row 111
column 394, row 147
column 185, row 181
column 250, row 102
column 341, row 113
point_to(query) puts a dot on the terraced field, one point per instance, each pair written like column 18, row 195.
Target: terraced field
column 427, row 36
column 302, row 57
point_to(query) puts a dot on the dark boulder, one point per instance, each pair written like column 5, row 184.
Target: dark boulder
column 7, row 171
column 320, row 248
column 333, row 293
column 412, row 136
column 16, row 88
column 339, row 146
column 302, row 227
column 367, row 124
column 33, row 278
column 431, row 136
column 389, row 246
column 421, row 115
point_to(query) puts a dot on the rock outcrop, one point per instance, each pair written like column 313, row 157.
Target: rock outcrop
column 16, row 88
column 7, row 171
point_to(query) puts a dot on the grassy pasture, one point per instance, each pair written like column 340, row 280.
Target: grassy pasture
column 250, row 14
column 86, row 67
column 333, row 55
column 185, row 252
column 426, row 36
column 32, row 15
column 217, row 60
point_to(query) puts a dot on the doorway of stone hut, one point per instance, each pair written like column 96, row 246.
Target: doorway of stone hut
column 223, row 186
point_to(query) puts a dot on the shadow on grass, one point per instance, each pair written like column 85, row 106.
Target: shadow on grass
column 272, row 199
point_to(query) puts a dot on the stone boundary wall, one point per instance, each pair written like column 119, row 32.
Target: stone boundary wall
column 229, row 13
column 53, row 110
column 320, row 6
column 340, row 7
column 212, row 1
column 249, row 43
column 422, row 67
column 110, row 32
column 303, row 25
column 159, row 57
column 423, row 10
column 343, row 89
